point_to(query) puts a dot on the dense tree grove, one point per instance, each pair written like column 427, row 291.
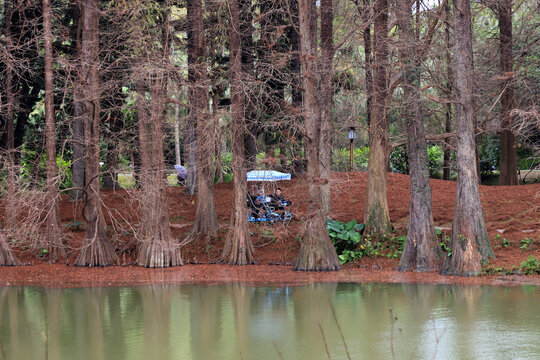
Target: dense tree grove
column 93, row 92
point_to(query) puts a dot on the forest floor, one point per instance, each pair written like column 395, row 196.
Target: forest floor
column 512, row 216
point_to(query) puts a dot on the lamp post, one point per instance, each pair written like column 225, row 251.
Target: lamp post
column 352, row 136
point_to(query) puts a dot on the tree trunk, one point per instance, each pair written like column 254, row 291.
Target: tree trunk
column 77, row 143
column 195, row 55
column 110, row 177
column 9, row 124
column 178, row 159
column 317, row 252
column 508, row 157
column 53, row 234
column 248, row 68
column 96, row 249
column 368, row 59
column 376, row 215
column 448, row 118
column 156, row 247
column 206, row 222
column 421, row 251
column 238, row 249
column 469, row 242
column 7, row 258
column 326, row 101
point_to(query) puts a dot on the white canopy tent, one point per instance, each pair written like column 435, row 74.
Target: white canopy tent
column 267, row 175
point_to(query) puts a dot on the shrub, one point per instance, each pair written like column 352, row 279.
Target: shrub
column 530, row 266
column 341, row 158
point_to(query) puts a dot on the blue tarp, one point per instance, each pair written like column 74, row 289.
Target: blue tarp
column 267, row 175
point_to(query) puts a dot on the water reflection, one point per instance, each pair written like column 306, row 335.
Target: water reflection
column 236, row 321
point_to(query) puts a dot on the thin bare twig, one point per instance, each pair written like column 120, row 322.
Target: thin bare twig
column 325, row 342
column 339, row 328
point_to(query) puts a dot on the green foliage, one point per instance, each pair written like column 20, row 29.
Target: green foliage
column 397, row 161
column 488, row 152
column 444, row 242
column 75, row 225
column 435, row 160
column 530, row 266
column 525, row 243
column 493, row 270
column 341, row 159
column 33, row 167
column 352, row 246
column 347, row 239
column 226, row 167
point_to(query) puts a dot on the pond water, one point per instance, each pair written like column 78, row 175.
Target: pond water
column 237, row 321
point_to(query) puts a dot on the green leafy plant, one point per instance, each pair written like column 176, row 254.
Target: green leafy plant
column 347, row 240
column 530, row 266
column 493, row 270
column 525, row 243
column 444, row 242
column 75, row 226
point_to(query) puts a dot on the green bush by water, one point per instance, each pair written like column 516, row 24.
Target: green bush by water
column 351, row 246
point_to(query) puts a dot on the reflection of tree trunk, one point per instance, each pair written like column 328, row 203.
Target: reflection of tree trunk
column 156, row 306
column 317, row 251
column 376, row 215
column 95, row 311
column 205, row 320
column 421, row 250
column 238, row 249
column 326, row 101
column 311, row 308
column 508, row 157
column 54, row 320
column 53, row 233
column 470, row 243
column 96, row 249
column 241, row 300
column 206, row 221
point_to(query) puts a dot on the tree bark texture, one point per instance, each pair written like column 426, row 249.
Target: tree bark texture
column 53, row 234
column 448, row 112
column 508, row 156
column 7, row 258
column 316, row 252
column 368, row 58
column 96, row 249
column 326, row 100
column 469, row 242
column 195, row 50
column 206, row 222
column 376, row 215
column 77, row 143
column 421, row 251
column 156, row 245
column 238, row 249
column 9, row 122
